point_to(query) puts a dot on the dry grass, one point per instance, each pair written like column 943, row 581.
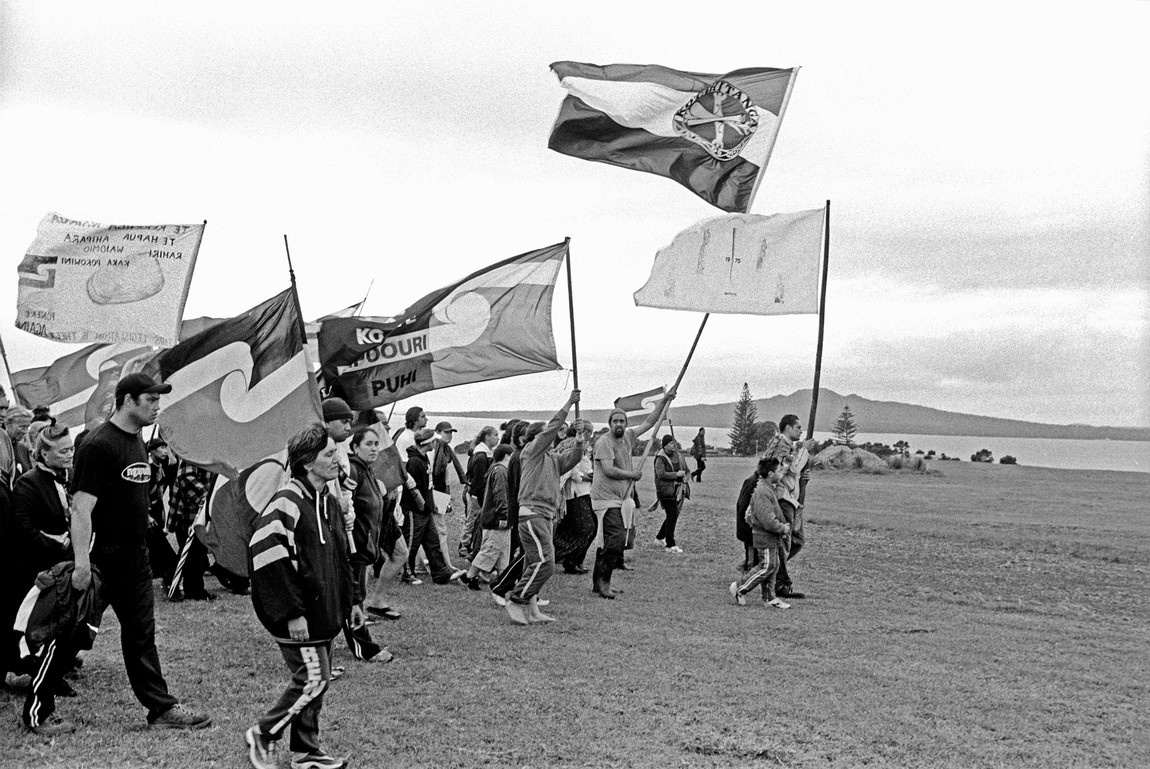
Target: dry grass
column 989, row 616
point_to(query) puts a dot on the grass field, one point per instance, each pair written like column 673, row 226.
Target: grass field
column 987, row 616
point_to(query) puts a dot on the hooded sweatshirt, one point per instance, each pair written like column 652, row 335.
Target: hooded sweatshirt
column 298, row 560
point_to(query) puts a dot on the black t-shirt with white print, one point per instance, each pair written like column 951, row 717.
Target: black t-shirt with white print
column 112, row 466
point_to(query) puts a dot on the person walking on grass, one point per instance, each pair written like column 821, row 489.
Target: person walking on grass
column 478, row 463
column 539, row 501
column 39, row 540
column 742, row 527
column 418, row 506
column 770, row 529
column 302, row 594
column 501, row 585
column 495, row 549
column 794, row 464
column 576, row 531
column 443, row 457
column 671, row 488
column 611, row 488
column 368, row 501
column 699, row 452
column 110, row 502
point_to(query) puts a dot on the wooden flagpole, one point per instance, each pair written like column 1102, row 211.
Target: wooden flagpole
column 822, row 320
column 819, row 346
column 571, row 309
column 663, row 410
column 362, row 302
column 295, row 291
column 8, row 370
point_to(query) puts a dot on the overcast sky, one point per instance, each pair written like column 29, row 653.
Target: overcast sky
column 988, row 167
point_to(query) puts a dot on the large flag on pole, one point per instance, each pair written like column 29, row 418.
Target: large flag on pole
column 79, row 387
column 87, row 282
column 494, row 323
column 755, row 265
column 240, row 389
column 640, row 405
column 711, row 133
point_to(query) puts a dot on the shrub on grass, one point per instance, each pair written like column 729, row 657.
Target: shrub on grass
column 1008, row 460
column 913, row 464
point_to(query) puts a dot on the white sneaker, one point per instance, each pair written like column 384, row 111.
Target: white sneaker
column 734, row 590
column 259, row 749
column 675, row 549
column 778, row 604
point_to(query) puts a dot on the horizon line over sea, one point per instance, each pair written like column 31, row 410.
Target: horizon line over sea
column 1059, row 453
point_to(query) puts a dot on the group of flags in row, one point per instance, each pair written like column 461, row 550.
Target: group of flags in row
column 243, row 385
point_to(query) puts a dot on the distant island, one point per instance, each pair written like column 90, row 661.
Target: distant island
column 870, row 416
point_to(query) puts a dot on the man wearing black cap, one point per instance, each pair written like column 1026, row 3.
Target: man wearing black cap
column 110, row 518
column 442, row 456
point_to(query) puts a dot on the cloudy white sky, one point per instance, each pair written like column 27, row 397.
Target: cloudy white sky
column 988, row 167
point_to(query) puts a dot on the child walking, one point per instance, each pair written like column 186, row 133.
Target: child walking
column 769, row 528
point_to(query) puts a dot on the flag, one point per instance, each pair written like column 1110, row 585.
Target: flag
column 79, row 388
column 240, row 389
column 711, row 133
column 640, row 405
column 742, row 264
column 87, row 282
column 494, row 323
column 311, row 330
column 234, row 506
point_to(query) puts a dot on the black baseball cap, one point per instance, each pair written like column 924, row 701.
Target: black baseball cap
column 138, row 384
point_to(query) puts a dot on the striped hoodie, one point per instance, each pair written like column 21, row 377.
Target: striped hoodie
column 298, row 561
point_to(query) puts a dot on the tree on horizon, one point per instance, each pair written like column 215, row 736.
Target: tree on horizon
column 742, row 435
column 845, row 428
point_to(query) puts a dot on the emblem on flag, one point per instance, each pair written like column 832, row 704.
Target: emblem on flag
column 723, row 128
column 711, row 133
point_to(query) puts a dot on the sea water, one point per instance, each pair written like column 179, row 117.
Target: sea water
column 1066, row 453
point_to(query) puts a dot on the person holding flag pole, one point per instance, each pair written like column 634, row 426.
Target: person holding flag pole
column 762, row 265
column 611, row 485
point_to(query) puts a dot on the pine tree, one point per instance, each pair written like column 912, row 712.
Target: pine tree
column 845, row 428
column 742, row 433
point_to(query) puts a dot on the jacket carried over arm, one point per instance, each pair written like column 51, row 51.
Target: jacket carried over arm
column 445, row 455
column 742, row 527
column 794, row 460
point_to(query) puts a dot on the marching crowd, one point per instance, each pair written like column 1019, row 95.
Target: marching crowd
column 86, row 528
